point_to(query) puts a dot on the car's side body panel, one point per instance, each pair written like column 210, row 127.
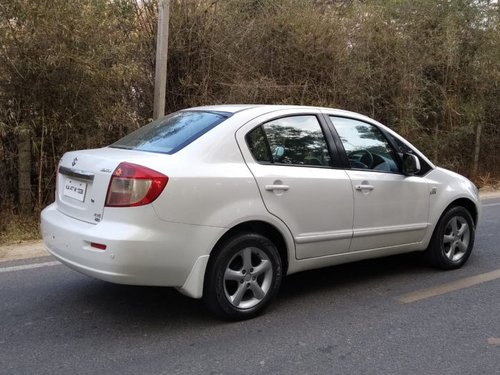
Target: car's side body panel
column 395, row 212
column 450, row 188
column 317, row 204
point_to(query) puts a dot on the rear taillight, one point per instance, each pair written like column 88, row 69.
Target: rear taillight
column 134, row 185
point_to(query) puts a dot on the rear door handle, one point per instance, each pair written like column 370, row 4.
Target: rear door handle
column 277, row 187
column 364, row 187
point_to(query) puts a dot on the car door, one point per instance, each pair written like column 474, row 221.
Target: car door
column 299, row 180
column 390, row 209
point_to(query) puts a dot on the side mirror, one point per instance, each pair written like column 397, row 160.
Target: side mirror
column 411, row 164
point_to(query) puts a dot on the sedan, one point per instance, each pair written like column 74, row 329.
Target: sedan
column 221, row 202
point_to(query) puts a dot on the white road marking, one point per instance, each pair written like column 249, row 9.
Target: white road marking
column 29, row 266
column 491, row 204
column 449, row 287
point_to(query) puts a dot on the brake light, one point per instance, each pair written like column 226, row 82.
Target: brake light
column 134, row 185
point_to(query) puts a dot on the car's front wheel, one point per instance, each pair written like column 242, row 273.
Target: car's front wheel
column 243, row 276
column 453, row 239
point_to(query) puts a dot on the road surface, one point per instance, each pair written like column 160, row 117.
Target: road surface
column 386, row 316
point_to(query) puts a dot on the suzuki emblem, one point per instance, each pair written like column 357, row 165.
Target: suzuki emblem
column 74, row 161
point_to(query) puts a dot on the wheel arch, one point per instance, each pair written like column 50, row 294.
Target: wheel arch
column 435, row 252
column 260, row 227
column 194, row 286
column 468, row 204
column 443, row 205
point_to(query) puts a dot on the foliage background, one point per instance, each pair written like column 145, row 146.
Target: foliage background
column 79, row 73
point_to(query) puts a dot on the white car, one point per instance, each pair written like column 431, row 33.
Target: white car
column 221, row 202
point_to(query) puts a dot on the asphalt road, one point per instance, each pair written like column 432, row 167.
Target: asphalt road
column 347, row 319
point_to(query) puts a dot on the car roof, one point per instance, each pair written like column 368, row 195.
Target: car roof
column 229, row 108
column 235, row 108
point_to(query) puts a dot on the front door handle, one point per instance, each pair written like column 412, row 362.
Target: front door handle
column 364, row 187
column 277, row 187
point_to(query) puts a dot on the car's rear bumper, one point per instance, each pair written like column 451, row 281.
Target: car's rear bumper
column 143, row 250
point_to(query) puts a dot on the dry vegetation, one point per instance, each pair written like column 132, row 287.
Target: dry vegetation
column 79, row 74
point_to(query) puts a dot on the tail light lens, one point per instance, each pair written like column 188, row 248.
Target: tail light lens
column 134, row 185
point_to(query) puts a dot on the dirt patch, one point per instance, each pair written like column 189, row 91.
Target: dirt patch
column 23, row 250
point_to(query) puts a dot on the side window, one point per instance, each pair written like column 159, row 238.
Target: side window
column 257, row 144
column 296, row 140
column 365, row 145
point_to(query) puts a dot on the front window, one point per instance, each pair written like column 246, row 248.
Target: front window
column 171, row 133
column 365, row 145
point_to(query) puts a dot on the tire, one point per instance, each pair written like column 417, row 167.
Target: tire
column 453, row 239
column 243, row 277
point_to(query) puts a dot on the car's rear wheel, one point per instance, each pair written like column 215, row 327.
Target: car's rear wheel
column 453, row 239
column 243, row 276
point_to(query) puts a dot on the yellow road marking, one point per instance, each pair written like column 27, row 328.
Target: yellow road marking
column 449, row 287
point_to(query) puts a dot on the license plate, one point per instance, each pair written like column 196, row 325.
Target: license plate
column 75, row 189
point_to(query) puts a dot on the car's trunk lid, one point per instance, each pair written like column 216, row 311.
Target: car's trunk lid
column 83, row 178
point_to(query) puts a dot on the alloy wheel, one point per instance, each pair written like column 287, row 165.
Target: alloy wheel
column 456, row 238
column 247, row 278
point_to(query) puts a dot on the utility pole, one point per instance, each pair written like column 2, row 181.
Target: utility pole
column 161, row 59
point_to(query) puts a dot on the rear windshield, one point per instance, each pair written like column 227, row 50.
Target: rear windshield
column 171, row 133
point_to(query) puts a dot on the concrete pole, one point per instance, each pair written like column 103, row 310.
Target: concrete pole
column 161, row 59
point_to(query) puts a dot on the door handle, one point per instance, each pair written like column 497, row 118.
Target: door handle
column 277, row 187
column 364, row 187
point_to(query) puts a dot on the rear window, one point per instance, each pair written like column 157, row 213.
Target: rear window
column 171, row 133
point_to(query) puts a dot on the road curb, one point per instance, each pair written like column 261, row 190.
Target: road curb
column 489, row 194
